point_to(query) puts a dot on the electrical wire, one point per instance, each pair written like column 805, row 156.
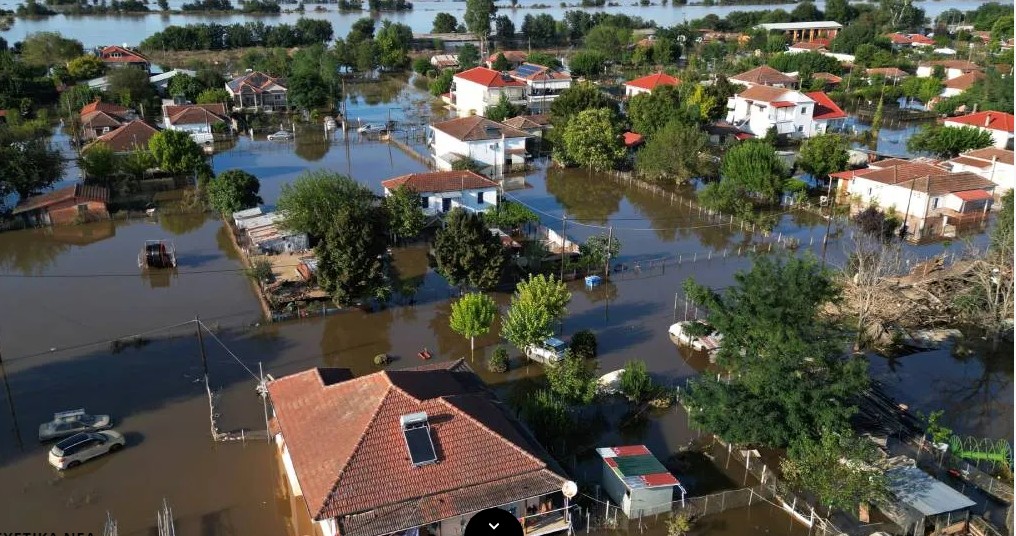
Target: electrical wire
column 228, row 351
column 96, row 343
column 129, row 274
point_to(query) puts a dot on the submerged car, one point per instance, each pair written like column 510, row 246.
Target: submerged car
column 549, row 351
column 80, row 448
column 68, row 423
column 280, row 135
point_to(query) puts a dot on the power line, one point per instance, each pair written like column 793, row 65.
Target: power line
column 131, row 274
column 98, row 342
column 228, row 351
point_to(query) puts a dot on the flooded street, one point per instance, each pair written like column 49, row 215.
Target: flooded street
column 67, row 292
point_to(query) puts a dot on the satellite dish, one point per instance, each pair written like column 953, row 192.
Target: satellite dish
column 570, row 489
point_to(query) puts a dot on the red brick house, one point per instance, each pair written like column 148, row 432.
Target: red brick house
column 66, row 205
column 409, row 452
column 114, row 57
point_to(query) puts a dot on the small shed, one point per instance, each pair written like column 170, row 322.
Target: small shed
column 637, row 481
column 270, row 239
column 921, row 500
column 247, row 213
column 78, row 202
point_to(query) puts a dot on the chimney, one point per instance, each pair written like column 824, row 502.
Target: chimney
column 987, row 119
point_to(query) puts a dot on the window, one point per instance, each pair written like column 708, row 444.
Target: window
column 804, row 109
column 424, row 201
column 934, row 203
column 800, row 128
column 479, row 198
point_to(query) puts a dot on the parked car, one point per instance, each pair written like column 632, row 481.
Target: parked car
column 79, row 448
column 280, row 136
column 68, row 423
column 549, row 351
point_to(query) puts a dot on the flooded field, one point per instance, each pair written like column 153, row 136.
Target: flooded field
column 67, row 292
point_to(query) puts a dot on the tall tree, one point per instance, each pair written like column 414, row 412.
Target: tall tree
column 477, row 18
column 948, row 142
column 393, row 41
column 525, row 324
column 233, row 190
column 504, row 28
column 466, row 252
column 175, row 152
column 352, row 256
column 648, row 112
column 823, row 155
column 27, row 167
column 405, row 215
column 751, row 173
column 544, row 292
column 310, row 202
column 130, row 87
column 99, row 164
column 504, row 109
column 46, row 49
column 677, row 152
column 579, row 97
column 472, row 316
column 593, row 139
column 839, row 467
column 444, row 23
column 85, row 67
column 573, row 379
column 469, row 56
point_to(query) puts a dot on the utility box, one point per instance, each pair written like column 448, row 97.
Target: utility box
column 637, row 481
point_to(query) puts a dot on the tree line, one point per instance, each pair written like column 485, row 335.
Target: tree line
column 213, row 36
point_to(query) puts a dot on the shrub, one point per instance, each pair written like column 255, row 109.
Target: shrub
column 635, row 383
column 381, row 360
column 583, row 344
column 498, row 361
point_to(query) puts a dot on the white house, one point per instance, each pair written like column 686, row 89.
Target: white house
column 195, row 119
column 992, row 163
column 648, row 83
column 759, row 108
column 764, row 75
column 998, row 124
column 827, row 115
column 953, row 68
column 543, row 84
column 442, row 191
column 931, row 200
column 410, row 452
column 474, row 90
column 955, row 86
column 259, row 91
column 477, row 138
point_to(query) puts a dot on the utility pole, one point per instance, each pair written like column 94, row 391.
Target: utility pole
column 204, row 367
column 10, row 404
column 564, row 242
column 606, row 263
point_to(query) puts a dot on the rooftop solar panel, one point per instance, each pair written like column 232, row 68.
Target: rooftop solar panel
column 420, row 445
column 528, row 70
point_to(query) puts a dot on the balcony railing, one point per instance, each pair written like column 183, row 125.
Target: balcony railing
column 545, row 523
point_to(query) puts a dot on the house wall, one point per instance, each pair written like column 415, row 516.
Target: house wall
column 647, row 502
column 468, row 199
column 482, row 151
column 796, row 121
column 67, row 212
column 193, row 128
column 1003, row 175
column 612, row 484
column 886, row 196
column 470, row 98
column 631, row 91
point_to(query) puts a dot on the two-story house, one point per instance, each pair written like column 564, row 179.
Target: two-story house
column 992, row 163
column 952, row 68
column 543, row 84
column 98, row 118
column 474, row 90
column 258, row 90
column 998, row 124
column 442, row 191
column 764, row 75
column 646, row 84
column 114, row 57
column 760, row 108
column 413, row 452
column 197, row 120
column 477, row 138
column 130, row 137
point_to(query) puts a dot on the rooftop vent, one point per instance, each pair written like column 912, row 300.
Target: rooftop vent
column 416, row 430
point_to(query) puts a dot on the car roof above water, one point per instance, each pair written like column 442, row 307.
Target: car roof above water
column 72, row 440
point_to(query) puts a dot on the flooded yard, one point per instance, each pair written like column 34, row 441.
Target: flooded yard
column 67, row 292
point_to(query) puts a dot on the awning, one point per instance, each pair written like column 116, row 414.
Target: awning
column 973, row 195
column 782, row 104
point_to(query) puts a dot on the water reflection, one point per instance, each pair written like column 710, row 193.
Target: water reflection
column 180, row 224
column 584, row 195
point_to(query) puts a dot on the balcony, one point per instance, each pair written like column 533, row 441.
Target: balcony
column 545, row 523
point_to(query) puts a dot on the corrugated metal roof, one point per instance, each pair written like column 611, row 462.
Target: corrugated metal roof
column 918, row 490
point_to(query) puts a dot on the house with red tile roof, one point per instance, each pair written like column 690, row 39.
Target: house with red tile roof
column 764, row 75
column 257, row 90
column 646, row 84
column 543, row 84
column 514, row 58
column 477, row 138
column 197, row 120
column 818, row 45
column 998, row 124
column 953, row 68
column 412, row 451
column 901, row 40
column 826, row 114
column 793, row 114
column 98, row 118
column 955, row 86
column 474, row 90
column 78, row 202
column 932, row 200
column 132, row 136
column 442, row 191
column 114, row 57
column 992, row 163
column 889, row 73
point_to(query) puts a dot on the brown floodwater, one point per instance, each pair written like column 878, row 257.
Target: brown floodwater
column 66, row 292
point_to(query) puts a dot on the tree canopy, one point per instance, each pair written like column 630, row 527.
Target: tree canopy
column 593, row 139
column 948, row 142
column 750, row 174
column 352, row 257
column 310, row 202
column 444, row 23
column 676, row 152
column 823, row 155
column 466, row 252
column 233, row 190
column 175, row 152
column 405, row 216
column 472, row 316
column 649, row 112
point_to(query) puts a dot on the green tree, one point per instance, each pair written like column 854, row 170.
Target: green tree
column 544, row 292
column 677, row 152
column 310, row 202
column 184, row 85
column 786, row 378
column 99, row 164
column 393, row 41
column 948, row 142
column 840, row 11
column 750, row 174
column 587, row 63
column 444, row 23
column 85, row 67
column 635, row 383
column 351, row 258
column 469, row 56
column 46, row 49
column 213, row 96
column 422, row 65
column 822, row 155
column 839, row 468
column 679, row 524
column 442, row 84
column 233, row 190
column 478, row 16
column 593, row 139
column 498, row 361
column 130, row 87
column 1002, row 233
column 466, row 252
column 27, row 167
column 504, row 28
column 472, row 316
column 500, row 63
column 608, row 40
column 548, row 416
column 573, row 379
column 583, row 344
column 405, row 215
column 649, row 112
column 598, row 249
column 579, row 97
column 525, row 324
column 543, row 58
column 307, row 90
column 876, row 120
column 504, row 109
column 175, row 152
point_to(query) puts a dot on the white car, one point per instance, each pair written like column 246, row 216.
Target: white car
column 280, row 135
column 549, row 351
column 68, row 423
column 74, row 450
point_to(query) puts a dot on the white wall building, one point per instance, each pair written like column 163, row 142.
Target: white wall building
column 479, row 88
column 648, row 83
column 443, row 191
column 759, row 108
column 197, row 120
column 953, row 68
column 488, row 142
column 543, row 84
column 992, row 163
column 998, row 124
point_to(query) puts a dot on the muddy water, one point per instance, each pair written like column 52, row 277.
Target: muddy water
column 67, row 287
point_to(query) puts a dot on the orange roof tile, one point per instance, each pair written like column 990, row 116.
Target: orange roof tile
column 1002, row 155
column 477, row 128
column 651, row 81
column 440, row 181
column 488, row 77
column 764, row 75
column 991, row 120
column 964, row 81
column 129, row 137
column 825, row 108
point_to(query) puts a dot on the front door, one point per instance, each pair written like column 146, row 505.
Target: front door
column 446, row 204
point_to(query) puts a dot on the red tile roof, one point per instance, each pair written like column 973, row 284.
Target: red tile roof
column 477, row 128
column 899, row 39
column 1004, row 156
column 440, row 181
column 99, row 106
column 766, row 76
column 973, row 195
column 825, row 108
column 81, row 192
column 919, row 39
column 118, row 54
column 962, row 65
column 254, row 82
column 964, row 81
column 891, row 72
column 651, row 81
column 193, row 114
column 828, row 77
column 101, row 119
column 764, row 93
column 513, row 56
column 971, row 162
column 991, row 120
column 488, row 77
column 631, row 139
column 349, row 454
column 946, row 183
column 130, row 137
column 809, row 45
column 903, row 172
